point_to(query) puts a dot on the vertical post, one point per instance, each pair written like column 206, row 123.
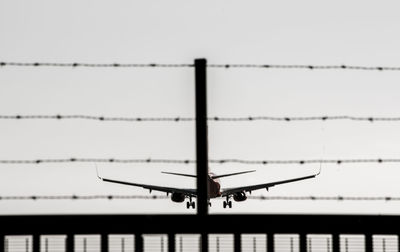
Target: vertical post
column 270, row 242
column 368, row 243
column 104, row 242
column 202, row 146
column 70, row 243
column 2, row 243
column 303, row 242
column 201, row 136
column 138, row 242
column 237, row 241
column 171, row 242
column 335, row 242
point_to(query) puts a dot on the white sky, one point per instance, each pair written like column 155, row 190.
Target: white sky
column 284, row 32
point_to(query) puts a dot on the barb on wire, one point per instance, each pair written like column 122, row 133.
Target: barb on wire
column 189, row 161
column 93, row 65
column 226, row 66
column 156, row 197
column 191, row 119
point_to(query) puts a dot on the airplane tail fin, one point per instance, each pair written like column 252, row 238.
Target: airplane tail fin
column 231, row 174
column 180, row 174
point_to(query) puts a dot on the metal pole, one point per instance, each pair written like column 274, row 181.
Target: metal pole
column 270, row 242
column 3, row 243
column 335, row 242
column 201, row 136
column 303, row 242
column 237, row 242
column 104, row 242
column 70, row 243
column 171, row 242
column 138, row 242
column 202, row 147
column 368, row 243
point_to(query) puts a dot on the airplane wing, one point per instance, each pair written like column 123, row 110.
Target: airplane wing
column 187, row 192
column 230, row 191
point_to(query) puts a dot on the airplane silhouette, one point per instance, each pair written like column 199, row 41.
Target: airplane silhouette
column 214, row 188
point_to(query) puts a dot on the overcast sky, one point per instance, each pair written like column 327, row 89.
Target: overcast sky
column 224, row 32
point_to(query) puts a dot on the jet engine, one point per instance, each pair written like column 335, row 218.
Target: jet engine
column 241, row 196
column 178, row 197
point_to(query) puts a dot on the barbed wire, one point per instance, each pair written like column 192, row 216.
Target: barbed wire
column 82, row 197
column 309, row 67
column 191, row 119
column 226, row 66
column 97, row 160
column 190, row 161
column 96, row 118
column 157, row 197
column 326, row 198
column 93, row 65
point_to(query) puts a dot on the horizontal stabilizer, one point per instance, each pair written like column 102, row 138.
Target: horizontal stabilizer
column 180, row 174
column 231, row 174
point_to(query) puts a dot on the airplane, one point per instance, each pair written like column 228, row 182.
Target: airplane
column 238, row 194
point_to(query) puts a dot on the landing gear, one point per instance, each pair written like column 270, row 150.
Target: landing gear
column 227, row 203
column 191, row 204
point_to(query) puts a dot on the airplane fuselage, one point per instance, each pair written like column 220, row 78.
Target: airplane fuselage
column 214, row 187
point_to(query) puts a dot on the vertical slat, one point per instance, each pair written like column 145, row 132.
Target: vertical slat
column 27, row 245
column 46, row 244
column 237, row 242
column 171, row 242
column 384, row 244
column 270, row 242
column 368, row 243
column 328, row 244
column 104, row 242
column 335, row 242
column 84, row 245
column 70, row 243
column 3, row 243
column 138, row 242
column 302, row 241
column 291, row 244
